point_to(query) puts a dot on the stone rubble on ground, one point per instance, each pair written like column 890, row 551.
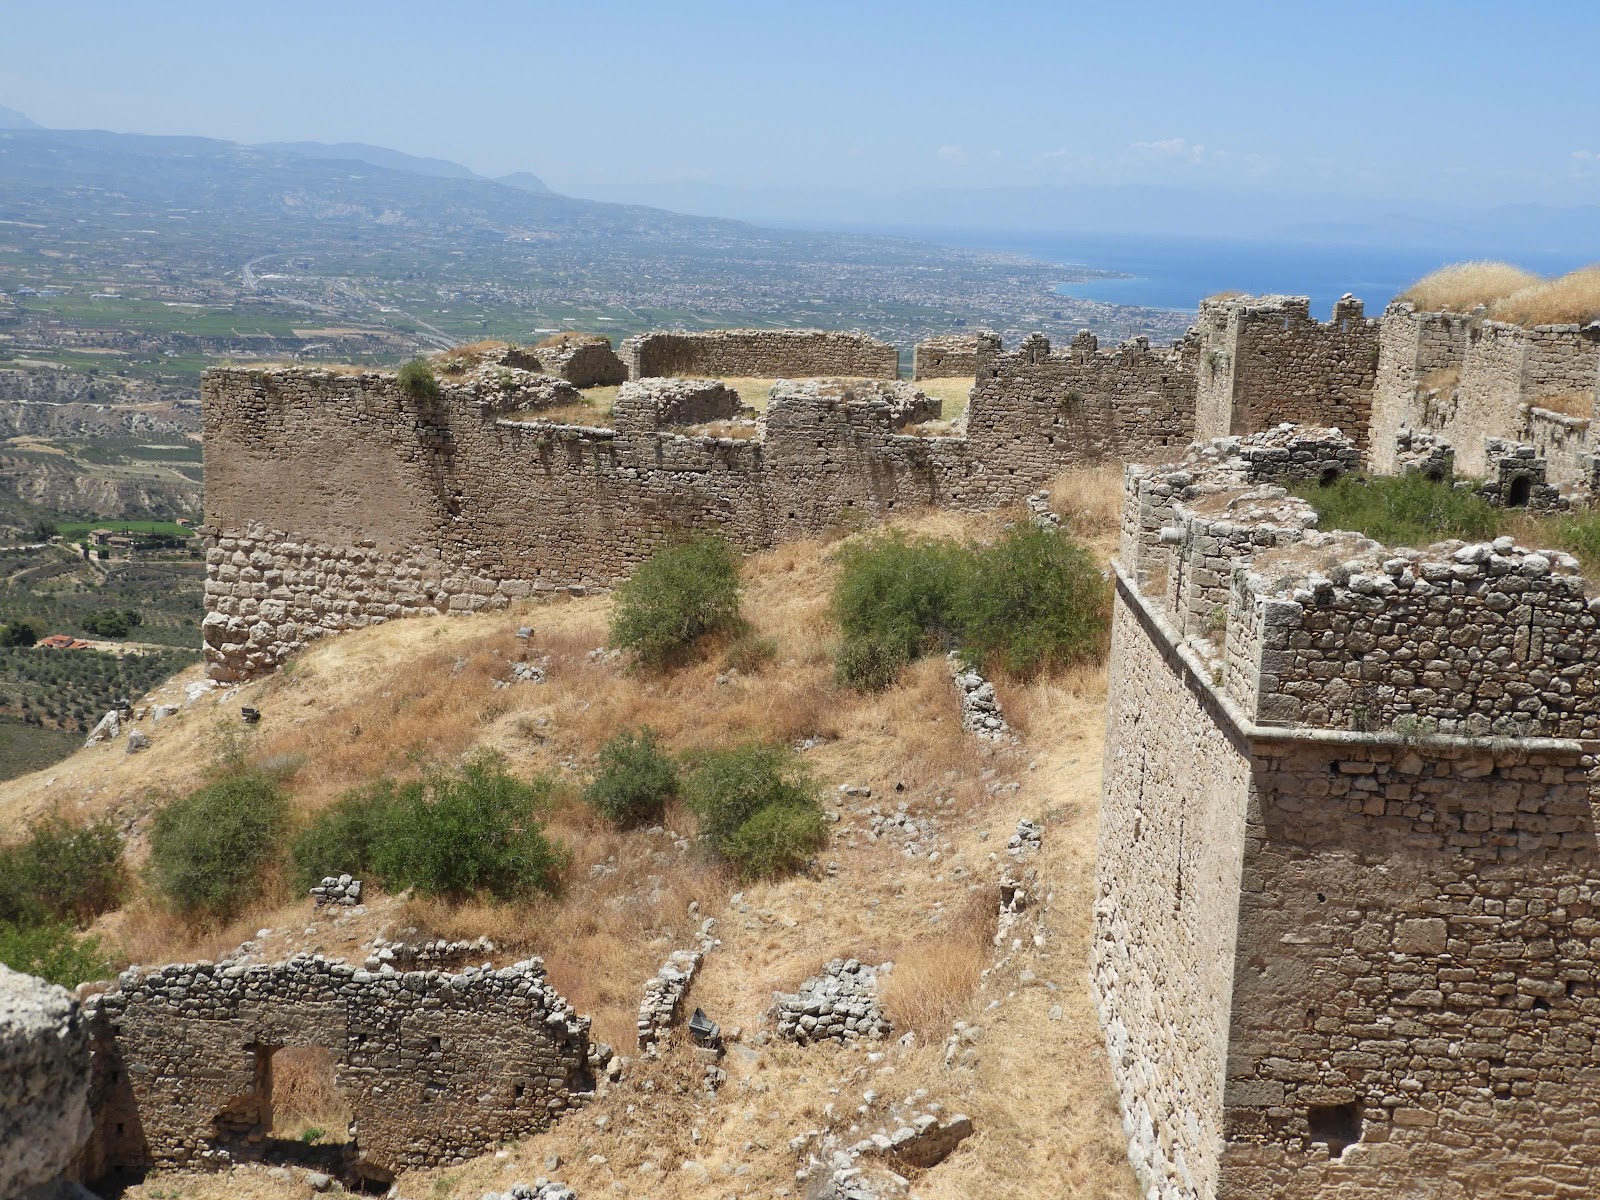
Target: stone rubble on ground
column 539, row 1189
column 914, row 1136
column 108, row 729
column 337, row 889
column 664, row 993
column 137, row 741
column 841, row 1004
column 980, row 711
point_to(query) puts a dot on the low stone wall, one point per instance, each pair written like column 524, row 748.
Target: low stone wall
column 951, row 356
column 647, row 405
column 436, row 1067
column 44, row 1082
column 764, row 353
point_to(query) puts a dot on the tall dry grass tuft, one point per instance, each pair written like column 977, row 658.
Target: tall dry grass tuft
column 1570, row 404
column 1573, row 298
column 306, row 1099
column 1462, row 287
column 1089, row 499
column 935, row 979
column 1440, row 379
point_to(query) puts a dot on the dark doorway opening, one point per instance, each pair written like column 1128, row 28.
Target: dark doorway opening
column 1520, row 491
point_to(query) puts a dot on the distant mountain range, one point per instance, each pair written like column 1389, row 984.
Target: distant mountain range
column 376, row 156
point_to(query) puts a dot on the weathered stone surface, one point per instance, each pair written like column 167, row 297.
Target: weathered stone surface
column 763, row 353
column 436, row 1066
column 44, row 1082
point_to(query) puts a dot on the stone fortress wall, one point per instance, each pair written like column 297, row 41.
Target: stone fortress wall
column 334, row 500
column 1345, row 933
column 762, row 353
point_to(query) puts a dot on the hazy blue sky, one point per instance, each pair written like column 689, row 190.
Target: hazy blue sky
column 1469, row 101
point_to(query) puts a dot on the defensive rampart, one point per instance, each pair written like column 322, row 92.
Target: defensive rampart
column 762, row 353
column 334, row 500
column 435, row 1067
column 1345, row 934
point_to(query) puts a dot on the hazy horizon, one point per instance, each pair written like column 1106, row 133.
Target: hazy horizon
column 842, row 111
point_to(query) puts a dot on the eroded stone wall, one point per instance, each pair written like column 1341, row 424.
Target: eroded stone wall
column 764, row 353
column 1268, row 361
column 435, row 1066
column 336, row 500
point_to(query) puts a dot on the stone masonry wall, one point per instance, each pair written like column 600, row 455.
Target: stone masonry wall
column 1171, row 836
column 1268, row 361
column 950, row 356
column 436, row 1067
column 335, row 500
column 1411, row 1003
column 766, row 353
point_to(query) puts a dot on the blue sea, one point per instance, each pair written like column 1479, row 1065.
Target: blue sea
column 1175, row 273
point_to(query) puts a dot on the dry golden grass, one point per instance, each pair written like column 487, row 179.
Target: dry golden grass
column 1462, row 287
column 1573, row 298
column 1443, row 380
column 934, row 979
column 1227, row 294
column 305, row 1096
column 569, row 336
column 953, row 394
column 1571, row 404
column 1089, row 500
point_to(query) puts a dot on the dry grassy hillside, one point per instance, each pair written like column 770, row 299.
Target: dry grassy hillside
column 393, row 697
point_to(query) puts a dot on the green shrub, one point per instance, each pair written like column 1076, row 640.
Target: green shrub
column 870, row 662
column 1403, row 510
column 1035, row 600
column 1578, row 533
column 758, row 807
column 900, row 594
column 112, row 623
column 1032, row 600
column 54, row 952
column 676, row 597
column 777, row 840
column 18, row 633
column 345, row 836
column 455, row 834
column 634, row 781
column 61, row 872
column 208, row 849
column 416, row 380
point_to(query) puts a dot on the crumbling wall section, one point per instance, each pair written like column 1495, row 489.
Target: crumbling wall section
column 435, row 1067
column 949, row 356
column 765, row 353
column 1274, row 363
